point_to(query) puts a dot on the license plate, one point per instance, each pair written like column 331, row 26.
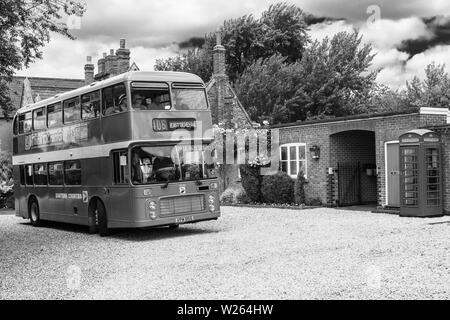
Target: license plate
column 184, row 219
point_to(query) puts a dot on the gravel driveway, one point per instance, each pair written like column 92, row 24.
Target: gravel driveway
column 248, row 254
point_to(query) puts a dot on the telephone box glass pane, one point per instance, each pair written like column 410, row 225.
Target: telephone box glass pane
column 410, row 177
column 432, row 160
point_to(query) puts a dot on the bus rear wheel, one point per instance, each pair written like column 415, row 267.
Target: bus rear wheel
column 33, row 211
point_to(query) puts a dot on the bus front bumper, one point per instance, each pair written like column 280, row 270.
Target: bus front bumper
column 168, row 221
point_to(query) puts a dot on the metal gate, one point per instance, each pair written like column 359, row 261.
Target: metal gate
column 349, row 182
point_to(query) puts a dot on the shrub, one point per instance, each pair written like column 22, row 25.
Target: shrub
column 6, row 180
column 315, row 202
column 299, row 189
column 278, row 188
column 251, row 182
column 234, row 195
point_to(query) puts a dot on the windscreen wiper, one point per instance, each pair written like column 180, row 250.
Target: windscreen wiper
column 166, row 185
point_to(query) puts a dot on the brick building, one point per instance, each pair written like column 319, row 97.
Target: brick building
column 355, row 160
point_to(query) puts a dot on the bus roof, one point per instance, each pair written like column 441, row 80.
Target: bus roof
column 156, row 76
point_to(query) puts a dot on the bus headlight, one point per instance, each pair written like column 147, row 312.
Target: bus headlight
column 214, row 186
column 212, row 199
column 152, row 210
column 152, row 206
column 212, row 208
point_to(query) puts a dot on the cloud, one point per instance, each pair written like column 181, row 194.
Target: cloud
column 386, row 34
column 64, row 58
column 153, row 28
column 438, row 33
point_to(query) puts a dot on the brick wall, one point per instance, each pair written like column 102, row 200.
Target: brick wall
column 385, row 128
column 356, row 147
column 317, row 169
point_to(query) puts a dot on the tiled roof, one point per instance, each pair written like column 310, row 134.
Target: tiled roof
column 42, row 87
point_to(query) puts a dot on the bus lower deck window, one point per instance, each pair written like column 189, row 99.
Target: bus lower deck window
column 22, row 175
column 121, row 167
column 29, row 175
column 72, row 170
column 55, row 174
column 40, row 174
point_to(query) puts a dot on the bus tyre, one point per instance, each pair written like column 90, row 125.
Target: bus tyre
column 35, row 218
column 93, row 220
column 102, row 220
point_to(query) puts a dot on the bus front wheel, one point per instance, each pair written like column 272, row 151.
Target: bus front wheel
column 102, row 219
column 34, row 213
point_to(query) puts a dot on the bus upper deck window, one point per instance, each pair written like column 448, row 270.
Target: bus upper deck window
column 39, row 119
column 25, row 122
column 90, row 105
column 72, row 110
column 115, row 99
column 54, row 115
column 189, row 99
column 150, row 96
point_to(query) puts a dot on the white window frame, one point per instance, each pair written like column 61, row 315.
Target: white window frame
column 298, row 146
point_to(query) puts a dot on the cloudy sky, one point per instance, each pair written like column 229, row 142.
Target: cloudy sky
column 406, row 34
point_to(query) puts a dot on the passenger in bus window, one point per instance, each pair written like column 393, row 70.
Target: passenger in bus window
column 142, row 169
column 138, row 102
column 152, row 104
column 120, row 107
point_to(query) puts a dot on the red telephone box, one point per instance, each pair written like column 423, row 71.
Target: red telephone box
column 421, row 174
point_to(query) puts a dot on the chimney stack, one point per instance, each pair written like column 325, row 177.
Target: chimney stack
column 219, row 56
column 101, row 66
column 123, row 58
column 221, row 105
column 88, row 71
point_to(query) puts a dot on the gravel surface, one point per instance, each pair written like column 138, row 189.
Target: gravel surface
column 248, row 254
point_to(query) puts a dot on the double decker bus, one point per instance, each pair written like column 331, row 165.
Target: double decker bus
column 132, row 151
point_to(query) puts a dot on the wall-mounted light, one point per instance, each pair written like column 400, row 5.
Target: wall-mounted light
column 315, row 152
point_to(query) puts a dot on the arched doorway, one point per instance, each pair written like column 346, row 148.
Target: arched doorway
column 353, row 155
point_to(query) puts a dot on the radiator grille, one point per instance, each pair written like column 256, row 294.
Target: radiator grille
column 184, row 204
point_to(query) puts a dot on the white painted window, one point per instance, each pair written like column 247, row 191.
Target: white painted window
column 293, row 159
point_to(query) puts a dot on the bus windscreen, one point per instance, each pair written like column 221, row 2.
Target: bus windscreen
column 189, row 99
column 170, row 164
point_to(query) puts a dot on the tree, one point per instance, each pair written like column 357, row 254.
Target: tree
column 264, row 88
column 334, row 72
column 280, row 30
column 433, row 91
column 284, row 31
column 378, row 99
column 25, row 27
column 326, row 82
column 197, row 61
